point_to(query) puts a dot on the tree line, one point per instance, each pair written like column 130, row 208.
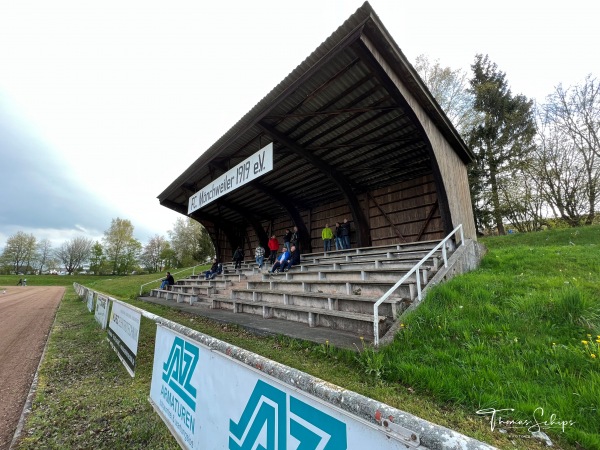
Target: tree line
column 118, row 253
column 536, row 165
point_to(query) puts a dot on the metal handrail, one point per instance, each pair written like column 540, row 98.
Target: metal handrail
column 417, row 269
column 183, row 270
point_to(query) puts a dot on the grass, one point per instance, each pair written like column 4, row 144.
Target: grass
column 518, row 333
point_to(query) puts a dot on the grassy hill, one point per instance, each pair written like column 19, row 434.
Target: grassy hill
column 519, row 336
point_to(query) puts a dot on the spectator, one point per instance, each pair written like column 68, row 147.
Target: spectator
column 20, row 283
column 168, row 281
column 339, row 244
column 259, row 255
column 238, row 257
column 287, row 237
column 212, row 272
column 295, row 240
column 326, row 235
column 346, row 233
column 273, row 245
column 283, row 257
column 293, row 260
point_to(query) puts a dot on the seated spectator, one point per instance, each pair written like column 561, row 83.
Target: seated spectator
column 167, row 282
column 212, row 272
column 218, row 272
column 293, row 260
column 285, row 254
column 259, row 256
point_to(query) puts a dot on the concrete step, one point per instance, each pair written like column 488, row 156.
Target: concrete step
column 359, row 323
column 182, row 297
column 340, row 302
column 349, row 287
column 410, row 246
column 408, row 257
column 216, row 283
column 388, row 275
column 376, row 263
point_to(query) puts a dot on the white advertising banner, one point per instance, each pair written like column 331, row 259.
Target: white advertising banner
column 249, row 169
column 124, row 332
column 102, row 307
column 90, row 301
column 211, row 401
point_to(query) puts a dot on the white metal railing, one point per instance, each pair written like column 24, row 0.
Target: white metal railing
column 417, row 269
column 160, row 279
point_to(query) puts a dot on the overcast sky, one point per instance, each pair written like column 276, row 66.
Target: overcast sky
column 104, row 103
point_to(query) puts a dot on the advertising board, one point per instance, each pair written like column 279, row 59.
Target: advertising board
column 211, row 401
column 124, row 333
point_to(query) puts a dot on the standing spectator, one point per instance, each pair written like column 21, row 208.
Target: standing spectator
column 238, row 257
column 168, row 281
column 346, row 233
column 259, row 255
column 339, row 244
column 295, row 240
column 287, row 237
column 326, row 235
column 273, row 245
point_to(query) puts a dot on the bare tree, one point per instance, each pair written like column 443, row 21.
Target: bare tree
column 576, row 112
column 571, row 122
column 73, row 253
column 450, row 88
column 522, row 202
column 44, row 252
column 567, row 177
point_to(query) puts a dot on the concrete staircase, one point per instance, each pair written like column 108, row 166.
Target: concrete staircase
column 335, row 289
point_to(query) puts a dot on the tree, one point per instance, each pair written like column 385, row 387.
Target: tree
column 572, row 117
column 502, row 141
column 19, row 251
column 151, row 255
column 44, row 252
column 97, row 258
column 190, row 242
column 450, row 87
column 120, row 247
column 567, row 175
column 74, row 252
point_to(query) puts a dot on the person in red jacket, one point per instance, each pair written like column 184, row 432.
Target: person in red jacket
column 273, row 245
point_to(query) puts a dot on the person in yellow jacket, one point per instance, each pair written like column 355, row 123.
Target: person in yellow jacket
column 327, row 235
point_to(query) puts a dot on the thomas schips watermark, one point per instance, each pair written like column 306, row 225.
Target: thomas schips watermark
column 502, row 418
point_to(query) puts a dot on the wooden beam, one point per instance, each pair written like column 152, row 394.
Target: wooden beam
column 362, row 227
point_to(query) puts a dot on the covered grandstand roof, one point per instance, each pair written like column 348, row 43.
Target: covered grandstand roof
column 339, row 126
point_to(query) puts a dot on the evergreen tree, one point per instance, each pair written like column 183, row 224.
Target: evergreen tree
column 501, row 140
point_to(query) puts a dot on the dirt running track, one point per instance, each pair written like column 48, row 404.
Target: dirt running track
column 26, row 315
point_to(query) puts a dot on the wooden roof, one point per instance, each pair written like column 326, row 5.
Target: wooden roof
column 339, row 126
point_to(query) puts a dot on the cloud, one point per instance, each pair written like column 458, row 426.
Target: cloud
column 38, row 192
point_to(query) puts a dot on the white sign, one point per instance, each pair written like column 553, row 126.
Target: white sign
column 249, row 169
column 211, row 401
column 90, row 301
column 102, row 307
column 124, row 332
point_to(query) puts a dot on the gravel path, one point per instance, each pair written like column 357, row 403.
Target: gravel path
column 26, row 316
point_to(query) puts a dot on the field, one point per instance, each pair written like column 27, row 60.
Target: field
column 519, row 336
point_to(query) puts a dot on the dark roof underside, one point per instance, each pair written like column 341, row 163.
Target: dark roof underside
column 341, row 113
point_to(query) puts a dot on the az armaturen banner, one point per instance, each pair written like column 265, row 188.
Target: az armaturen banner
column 211, row 401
